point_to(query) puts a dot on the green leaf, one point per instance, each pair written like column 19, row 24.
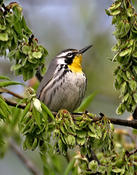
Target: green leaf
column 128, row 74
column 115, row 6
column 26, row 49
column 28, row 142
column 135, row 69
column 17, row 13
column 94, row 135
column 28, row 73
column 122, row 30
column 107, row 12
column 2, row 115
column 28, row 125
column 123, row 60
column 37, row 54
column 69, row 167
column 34, row 144
column 80, row 141
column 121, row 108
column 25, row 111
column 46, row 109
column 63, row 130
column 130, row 12
column 125, row 98
column 16, row 67
column 86, row 102
column 24, row 25
column 135, row 97
column 134, row 54
column 15, row 116
column 2, row 27
column 93, row 165
column 18, row 29
column 37, row 116
column 115, row 12
column 43, row 70
column 133, row 85
column 4, row 37
column 5, row 108
column 9, row 83
column 11, row 53
column 125, row 52
column 118, row 170
column 70, row 140
column 81, row 134
column 4, row 77
column 123, row 88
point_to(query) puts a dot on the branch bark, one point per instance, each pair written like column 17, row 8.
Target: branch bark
column 4, row 90
column 28, row 164
column 131, row 152
column 116, row 121
column 14, row 104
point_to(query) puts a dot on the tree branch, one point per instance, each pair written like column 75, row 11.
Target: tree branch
column 116, row 121
column 28, row 164
column 14, row 104
column 4, row 90
column 131, row 152
column 93, row 157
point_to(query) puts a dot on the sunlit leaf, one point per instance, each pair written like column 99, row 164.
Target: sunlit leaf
column 87, row 101
column 9, row 83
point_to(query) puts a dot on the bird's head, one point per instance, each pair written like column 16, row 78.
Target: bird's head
column 73, row 58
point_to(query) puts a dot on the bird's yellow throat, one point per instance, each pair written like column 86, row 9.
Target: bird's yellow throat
column 76, row 64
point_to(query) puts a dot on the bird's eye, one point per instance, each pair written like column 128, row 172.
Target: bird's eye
column 69, row 54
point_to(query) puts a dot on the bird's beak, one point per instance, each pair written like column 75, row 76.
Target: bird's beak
column 84, row 49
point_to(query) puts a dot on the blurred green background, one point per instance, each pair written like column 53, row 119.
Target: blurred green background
column 62, row 24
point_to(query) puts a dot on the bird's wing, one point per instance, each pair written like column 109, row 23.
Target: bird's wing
column 47, row 77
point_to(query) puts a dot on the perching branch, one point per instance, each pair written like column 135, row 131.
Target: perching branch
column 28, row 164
column 116, row 121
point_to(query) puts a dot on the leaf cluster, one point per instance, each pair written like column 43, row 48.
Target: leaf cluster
column 18, row 43
column 95, row 147
column 125, row 21
column 58, row 134
column 67, row 132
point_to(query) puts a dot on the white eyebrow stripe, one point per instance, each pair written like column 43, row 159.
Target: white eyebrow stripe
column 63, row 54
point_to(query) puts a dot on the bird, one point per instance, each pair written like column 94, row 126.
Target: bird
column 64, row 84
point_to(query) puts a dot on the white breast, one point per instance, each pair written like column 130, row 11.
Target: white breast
column 68, row 92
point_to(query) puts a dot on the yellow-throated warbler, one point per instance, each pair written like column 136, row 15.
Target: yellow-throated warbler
column 64, row 84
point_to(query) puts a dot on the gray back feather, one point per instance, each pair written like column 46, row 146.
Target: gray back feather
column 47, row 77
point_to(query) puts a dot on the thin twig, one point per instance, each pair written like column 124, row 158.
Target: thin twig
column 28, row 164
column 121, row 122
column 93, row 156
column 131, row 152
column 4, row 90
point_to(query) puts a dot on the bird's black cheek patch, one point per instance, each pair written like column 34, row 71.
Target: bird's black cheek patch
column 69, row 61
